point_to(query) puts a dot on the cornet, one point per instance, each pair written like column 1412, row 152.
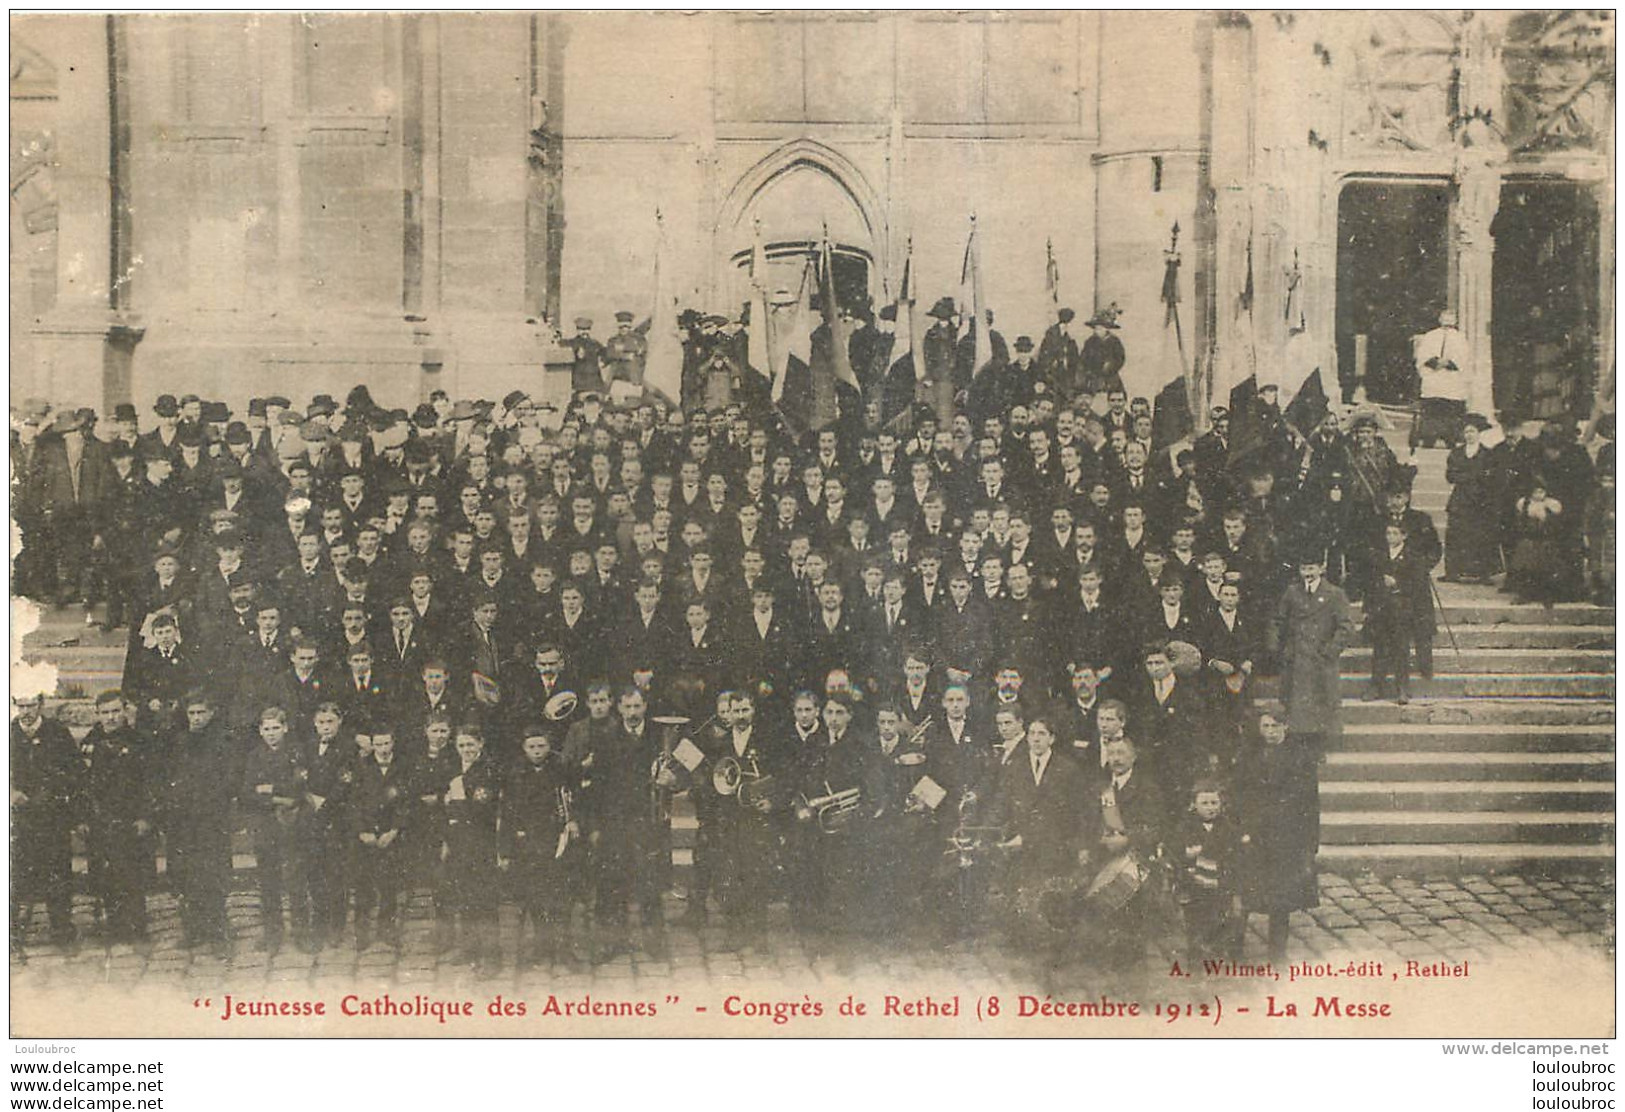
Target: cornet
column 831, row 811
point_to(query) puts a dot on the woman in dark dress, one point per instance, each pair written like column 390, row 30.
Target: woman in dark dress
column 1472, row 541
column 1278, row 803
column 1541, row 570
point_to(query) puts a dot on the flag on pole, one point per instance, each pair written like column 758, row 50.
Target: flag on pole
column 798, row 337
column 1052, row 274
column 910, row 319
column 1309, row 405
column 841, row 356
column 1171, row 413
column 663, row 373
column 970, row 277
column 1246, row 433
column 759, row 350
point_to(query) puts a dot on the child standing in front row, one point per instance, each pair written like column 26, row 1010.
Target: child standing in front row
column 1208, row 845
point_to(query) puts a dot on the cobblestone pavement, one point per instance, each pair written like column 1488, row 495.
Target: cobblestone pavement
column 1471, row 917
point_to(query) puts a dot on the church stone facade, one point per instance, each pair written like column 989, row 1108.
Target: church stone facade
column 235, row 204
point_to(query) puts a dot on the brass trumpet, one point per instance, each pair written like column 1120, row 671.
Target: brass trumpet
column 832, row 811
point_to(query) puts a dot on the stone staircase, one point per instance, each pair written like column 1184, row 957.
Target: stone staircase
column 1504, row 762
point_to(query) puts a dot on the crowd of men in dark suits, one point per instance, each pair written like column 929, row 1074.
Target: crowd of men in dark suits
column 902, row 673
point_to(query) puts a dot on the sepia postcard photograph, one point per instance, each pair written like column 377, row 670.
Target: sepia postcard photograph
column 805, row 524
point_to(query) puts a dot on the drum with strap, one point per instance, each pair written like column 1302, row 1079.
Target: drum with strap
column 1116, row 885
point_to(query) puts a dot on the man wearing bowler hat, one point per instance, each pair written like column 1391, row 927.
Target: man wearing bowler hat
column 124, row 425
column 162, row 438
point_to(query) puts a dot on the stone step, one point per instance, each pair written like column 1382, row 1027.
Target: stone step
column 1352, row 828
column 1471, row 766
column 1498, row 609
column 1452, row 859
column 1502, row 685
column 1482, row 712
column 1523, row 661
column 1466, row 796
column 78, row 658
column 1512, row 635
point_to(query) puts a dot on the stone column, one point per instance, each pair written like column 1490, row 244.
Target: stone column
column 1480, row 156
column 84, row 344
column 1230, row 159
column 1478, row 198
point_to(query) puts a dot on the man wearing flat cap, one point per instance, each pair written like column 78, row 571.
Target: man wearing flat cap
column 587, row 365
column 626, row 352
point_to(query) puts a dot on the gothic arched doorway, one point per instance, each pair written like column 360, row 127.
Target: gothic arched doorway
column 796, row 197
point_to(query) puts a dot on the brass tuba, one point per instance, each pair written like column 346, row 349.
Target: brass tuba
column 664, row 762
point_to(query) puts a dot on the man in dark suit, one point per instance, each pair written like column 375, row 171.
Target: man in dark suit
column 631, row 851
column 1042, row 799
column 163, row 438
column 833, row 639
column 484, row 653
column 1307, row 634
column 43, row 765
column 1129, row 816
column 1232, row 644
column 71, row 481
column 700, row 655
column 403, row 647
column 891, row 625
column 1399, row 600
column 1167, row 718
column 367, row 693
column 157, row 678
column 766, row 645
column 1170, row 618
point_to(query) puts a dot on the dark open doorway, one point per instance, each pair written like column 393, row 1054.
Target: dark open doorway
column 1543, row 329
column 1393, row 280
column 787, row 260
